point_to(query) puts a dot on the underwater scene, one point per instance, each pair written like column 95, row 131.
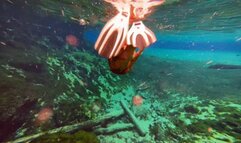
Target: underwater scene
column 120, row 71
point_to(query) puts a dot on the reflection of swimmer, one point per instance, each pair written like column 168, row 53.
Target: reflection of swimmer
column 113, row 35
column 122, row 63
column 116, row 34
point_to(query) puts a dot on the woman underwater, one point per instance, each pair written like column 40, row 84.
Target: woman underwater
column 119, row 44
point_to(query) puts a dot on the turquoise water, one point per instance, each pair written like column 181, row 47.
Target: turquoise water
column 205, row 57
column 54, row 87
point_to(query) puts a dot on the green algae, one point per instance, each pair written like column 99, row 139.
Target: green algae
column 229, row 125
column 200, row 127
column 78, row 85
column 197, row 120
column 78, row 137
column 224, row 128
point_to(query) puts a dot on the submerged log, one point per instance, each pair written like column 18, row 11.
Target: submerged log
column 92, row 123
column 133, row 118
column 70, row 128
column 223, row 66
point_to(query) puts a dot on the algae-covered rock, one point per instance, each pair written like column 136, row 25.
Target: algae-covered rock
column 191, row 109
